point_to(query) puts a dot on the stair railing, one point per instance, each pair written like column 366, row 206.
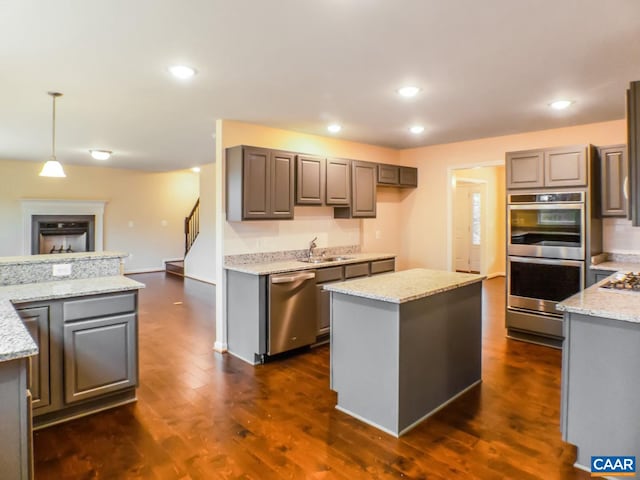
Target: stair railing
column 191, row 227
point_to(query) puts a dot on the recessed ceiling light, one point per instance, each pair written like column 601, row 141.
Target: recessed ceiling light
column 100, row 154
column 416, row 129
column 408, row 91
column 334, row 128
column 560, row 104
column 182, row 72
column 196, row 169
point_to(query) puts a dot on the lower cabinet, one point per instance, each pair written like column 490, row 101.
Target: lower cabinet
column 99, row 357
column 36, row 320
column 594, row 276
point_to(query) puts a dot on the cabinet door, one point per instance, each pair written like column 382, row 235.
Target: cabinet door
column 633, row 141
column 100, row 356
column 256, row 182
column 408, row 177
column 388, row 174
column 614, row 177
column 36, row 320
column 525, row 169
column 324, row 310
column 566, row 167
column 338, row 182
column 310, row 178
column 363, row 185
column 281, row 185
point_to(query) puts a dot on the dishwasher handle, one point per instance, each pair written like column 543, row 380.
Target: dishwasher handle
column 293, row 278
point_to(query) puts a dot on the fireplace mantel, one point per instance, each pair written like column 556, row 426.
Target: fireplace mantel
column 41, row 206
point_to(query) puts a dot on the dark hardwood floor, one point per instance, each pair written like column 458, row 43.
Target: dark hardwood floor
column 203, row 415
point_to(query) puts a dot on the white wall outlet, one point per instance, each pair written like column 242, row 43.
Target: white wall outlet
column 61, row 270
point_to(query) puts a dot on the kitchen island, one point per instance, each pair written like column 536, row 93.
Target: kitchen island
column 404, row 344
column 600, row 365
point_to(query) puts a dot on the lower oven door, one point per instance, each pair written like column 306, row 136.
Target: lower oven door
column 538, row 284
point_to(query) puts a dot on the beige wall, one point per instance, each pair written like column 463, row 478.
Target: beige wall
column 494, row 222
column 426, row 212
column 147, row 199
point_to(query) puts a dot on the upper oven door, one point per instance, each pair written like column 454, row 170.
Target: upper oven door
column 540, row 284
column 546, row 230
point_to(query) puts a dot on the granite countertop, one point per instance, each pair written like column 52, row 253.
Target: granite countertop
column 617, row 266
column 602, row 302
column 15, row 341
column 406, row 285
column 293, row 265
column 59, row 257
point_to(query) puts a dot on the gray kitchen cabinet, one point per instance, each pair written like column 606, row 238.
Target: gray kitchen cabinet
column 614, row 177
column 633, row 141
column 397, row 176
column 310, row 180
column 594, row 276
column 338, row 182
column 16, row 455
column 100, row 356
column 553, row 168
column 363, row 192
column 36, row 320
column 260, row 184
column 383, row 266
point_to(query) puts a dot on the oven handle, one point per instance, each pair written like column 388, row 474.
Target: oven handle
column 548, row 261
column 546, row 206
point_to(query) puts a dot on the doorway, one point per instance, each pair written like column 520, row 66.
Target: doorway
column 468, row 222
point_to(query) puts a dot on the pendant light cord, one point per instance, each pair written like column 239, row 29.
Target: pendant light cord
column 53, row 136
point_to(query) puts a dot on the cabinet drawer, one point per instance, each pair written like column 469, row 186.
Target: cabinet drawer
column 381, row 266
column 99, row 306
column 330, row 274
column 357, row 270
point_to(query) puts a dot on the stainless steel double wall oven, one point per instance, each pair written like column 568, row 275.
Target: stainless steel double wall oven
column 546, row 260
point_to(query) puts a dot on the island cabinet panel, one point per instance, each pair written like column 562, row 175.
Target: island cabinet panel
column 260, row 184
column 614, row 178
column 99, row 357
column 600, row 388
column 525, row 169
column 310, row 180
column 36, row 320
column 15, row 435
column 338, row 178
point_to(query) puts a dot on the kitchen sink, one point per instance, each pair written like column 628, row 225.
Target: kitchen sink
column 325, row 259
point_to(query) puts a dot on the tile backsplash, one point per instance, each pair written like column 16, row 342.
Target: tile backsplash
column 620, row 237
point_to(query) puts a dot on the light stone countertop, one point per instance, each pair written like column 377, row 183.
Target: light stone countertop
column 404, row 286
column 617, row 266
column 293, row 265
column 59, row 257
column 15, row 341
column 603, row 302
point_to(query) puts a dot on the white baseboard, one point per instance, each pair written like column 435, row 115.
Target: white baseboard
column 495, row 274
column 201, row 279
column 143, row 270
column 222, row 348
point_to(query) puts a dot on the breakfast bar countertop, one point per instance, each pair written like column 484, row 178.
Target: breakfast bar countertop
column 15, row 340
column 405, row 286
column 603, row 302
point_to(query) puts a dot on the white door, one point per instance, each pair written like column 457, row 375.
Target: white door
column 468, row 227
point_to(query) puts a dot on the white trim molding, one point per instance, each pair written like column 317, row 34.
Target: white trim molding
column 43, row 206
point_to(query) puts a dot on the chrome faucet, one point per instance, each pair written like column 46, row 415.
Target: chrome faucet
column 312, row 245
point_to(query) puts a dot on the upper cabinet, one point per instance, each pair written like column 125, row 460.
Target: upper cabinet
column 397, row 176
column 633, row 132
column 338, row 182
column 614, row 180
column 260, row 184
column 310, row 180
column 363, row 192
column 556, row 167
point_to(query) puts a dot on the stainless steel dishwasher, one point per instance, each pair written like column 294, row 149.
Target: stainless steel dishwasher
column 292, row 311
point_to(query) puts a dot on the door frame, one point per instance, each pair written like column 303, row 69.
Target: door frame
column 450, row 194
column 483, row 223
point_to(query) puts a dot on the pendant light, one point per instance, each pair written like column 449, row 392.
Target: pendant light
column 52, row 167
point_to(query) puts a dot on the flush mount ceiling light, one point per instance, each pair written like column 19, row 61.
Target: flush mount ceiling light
column 53, row 168
column 182, row 72
column 416, row 129
column 408, row 91
column 334, row 128
column 560, row 104
column 100, row 154
column 196, row 169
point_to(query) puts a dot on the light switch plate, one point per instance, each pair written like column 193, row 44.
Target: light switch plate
column 61, row 270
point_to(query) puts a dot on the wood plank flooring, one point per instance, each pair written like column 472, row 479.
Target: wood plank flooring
column 204, row 415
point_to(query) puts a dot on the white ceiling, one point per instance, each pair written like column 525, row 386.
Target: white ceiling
column 486, row 68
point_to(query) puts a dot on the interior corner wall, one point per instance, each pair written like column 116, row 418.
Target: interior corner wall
column 200, row 262
column 143, row 216
column 425, row 211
